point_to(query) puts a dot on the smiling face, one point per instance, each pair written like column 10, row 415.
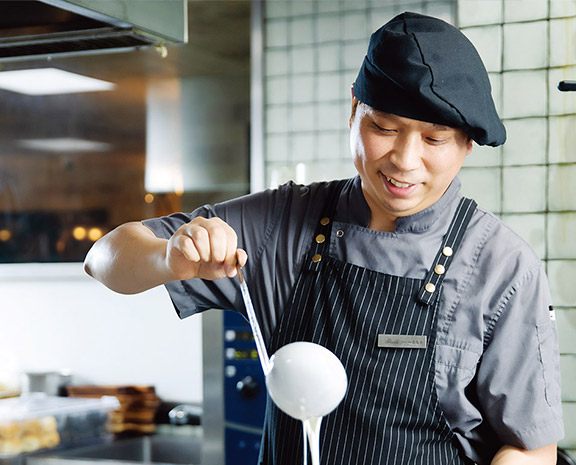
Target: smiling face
column 405, row 165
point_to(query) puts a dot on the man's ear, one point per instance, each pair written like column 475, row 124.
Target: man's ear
column 470, row 146
column 354, row 106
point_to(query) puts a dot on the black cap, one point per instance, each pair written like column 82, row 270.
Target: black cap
column 423, row 68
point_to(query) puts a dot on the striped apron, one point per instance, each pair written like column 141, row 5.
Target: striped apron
column 383, row 329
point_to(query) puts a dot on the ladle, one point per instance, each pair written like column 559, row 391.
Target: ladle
column 305, row 380
column 258, row 339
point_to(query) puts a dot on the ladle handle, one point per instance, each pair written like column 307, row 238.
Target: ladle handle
column 258, row 339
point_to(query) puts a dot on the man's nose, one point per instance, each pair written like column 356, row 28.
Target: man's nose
column 407, row 153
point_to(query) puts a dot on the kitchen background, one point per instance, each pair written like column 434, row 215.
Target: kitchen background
column 304, row 56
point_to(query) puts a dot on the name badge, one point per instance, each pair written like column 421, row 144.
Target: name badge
column 401, row 341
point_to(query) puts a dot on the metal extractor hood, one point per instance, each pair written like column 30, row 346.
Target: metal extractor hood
column 44, row 28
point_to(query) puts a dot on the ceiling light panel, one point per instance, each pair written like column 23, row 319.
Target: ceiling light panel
column 50, row 81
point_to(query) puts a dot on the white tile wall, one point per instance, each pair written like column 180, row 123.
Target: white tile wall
column 526, row 143
column 496, row 84
column 330, row 117
column 350, row 5
column 524, row 10
column 301, row 31
column 277, row 147
column 355, row 26
column 525, row 45
column 301, row 7
column 328, row 6
column 483, row 155
column 563, row 42
column 562, row 141
column 562, row 188
column 522, row 189
column 277, row 119
column 301, row 88
column 329, row 145
column 277, row 33
column 532, row 228
column 329, row 87
column 329, row 27
column 561, row 103
column 475, row 12
column 524, row 94
column 302, row 117
column 277, row 90
column 302, row 60
column 381, row 14
column 276, row 62
column 562, row 235
column 566, row 322
column 276, row 9
column 562, row 8
column 441, row 9
column 303, row 146
column 353, row 54
column 488, row 42
column 562, row 276
column 568, row 365
column 569, row 425
column 483, row 185
column 329, row 57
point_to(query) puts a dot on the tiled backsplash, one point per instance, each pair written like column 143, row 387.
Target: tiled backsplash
column 312, row 54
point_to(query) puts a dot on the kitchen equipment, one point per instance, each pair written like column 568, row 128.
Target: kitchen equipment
column 52, row 383
column 566, row 86
column 37, row 421
column 77, row 27
column 244, row 392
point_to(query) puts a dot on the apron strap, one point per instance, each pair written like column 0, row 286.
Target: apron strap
column 324, row 226
column 444, row 257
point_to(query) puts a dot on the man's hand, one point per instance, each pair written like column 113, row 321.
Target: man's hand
column 204, row 248
column 508, row 455
column 131, row 259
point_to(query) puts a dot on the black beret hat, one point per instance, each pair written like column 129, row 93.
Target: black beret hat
column 423, row 68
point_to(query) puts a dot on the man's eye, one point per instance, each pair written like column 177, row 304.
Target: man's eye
column 435, row 141
column 385, row 130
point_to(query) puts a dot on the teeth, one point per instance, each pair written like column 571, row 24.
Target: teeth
column 398, row 183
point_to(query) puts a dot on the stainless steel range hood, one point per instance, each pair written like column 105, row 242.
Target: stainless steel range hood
column 44, row 28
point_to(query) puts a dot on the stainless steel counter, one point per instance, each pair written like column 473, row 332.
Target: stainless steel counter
column 157, row 449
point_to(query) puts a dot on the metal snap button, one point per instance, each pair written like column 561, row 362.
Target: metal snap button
column 316, row 258
column 447, row 251
column 439, row 269
column 339, row 233
column 430, row 288
column 320, row 238
column 324, row 221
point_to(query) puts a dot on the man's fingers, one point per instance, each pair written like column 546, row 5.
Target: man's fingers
column 211, row 241
column 186, row 246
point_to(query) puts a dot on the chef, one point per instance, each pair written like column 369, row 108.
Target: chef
column 440, row 314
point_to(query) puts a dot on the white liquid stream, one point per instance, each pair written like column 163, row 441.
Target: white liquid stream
column 311, row 430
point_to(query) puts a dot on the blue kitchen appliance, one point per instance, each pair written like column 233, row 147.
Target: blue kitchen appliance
column 244, row 392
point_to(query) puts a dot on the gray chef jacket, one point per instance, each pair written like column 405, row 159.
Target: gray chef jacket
column 497, row 364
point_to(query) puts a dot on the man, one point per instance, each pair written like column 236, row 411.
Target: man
column 440, row 314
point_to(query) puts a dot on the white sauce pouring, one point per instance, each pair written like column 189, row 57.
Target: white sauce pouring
column 305, row 380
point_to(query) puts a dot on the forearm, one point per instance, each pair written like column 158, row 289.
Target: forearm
column 508, row 455
column 129, row 259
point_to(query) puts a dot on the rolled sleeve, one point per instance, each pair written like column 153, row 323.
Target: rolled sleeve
column 518, row 378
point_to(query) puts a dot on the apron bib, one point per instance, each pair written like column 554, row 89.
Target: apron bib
column 383, row 329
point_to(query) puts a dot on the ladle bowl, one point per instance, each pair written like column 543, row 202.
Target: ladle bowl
column 306, row 380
